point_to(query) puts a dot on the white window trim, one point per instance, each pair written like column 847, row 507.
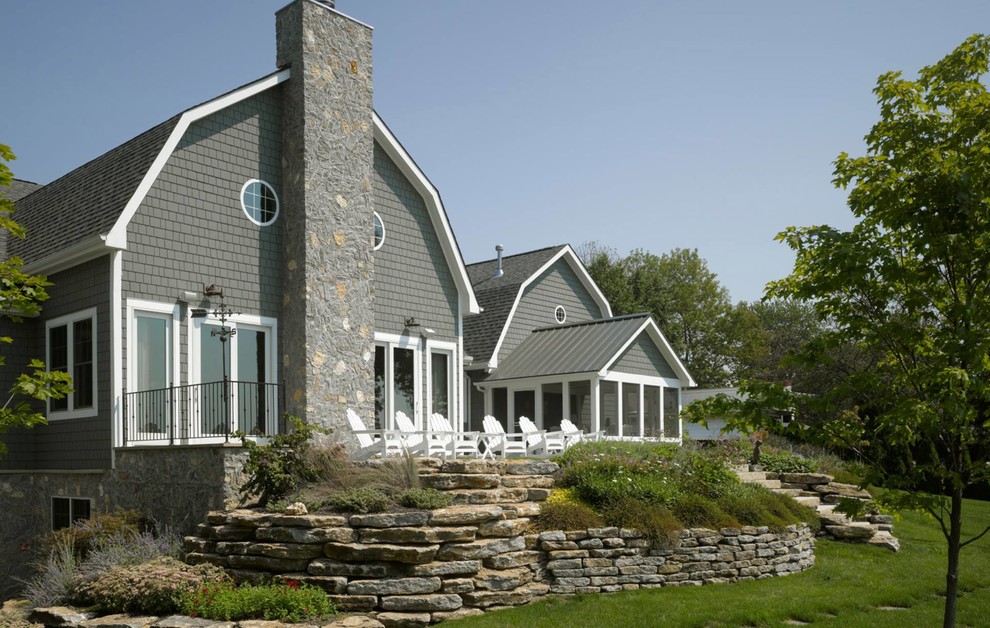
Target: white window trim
column 394, row 341
column 450, row 350
column 278, row 203
column 376, row 247
column 560, row 320
column 167, row 311
column 68, row 320
column 266, row 323
column 161, row 310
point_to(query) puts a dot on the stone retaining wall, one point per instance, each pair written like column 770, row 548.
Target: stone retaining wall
column 418, row 567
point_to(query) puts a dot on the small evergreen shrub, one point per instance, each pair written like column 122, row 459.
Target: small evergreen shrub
column 288, row 602
column 155, row 588
column 276, row 469
column 425, row 498
column 652, row 519
column 359, row 500
column 698, row 511
column 565, row 515
column 783, row 462
column 748, row 506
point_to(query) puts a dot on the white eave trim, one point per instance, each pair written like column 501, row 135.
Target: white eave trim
column 665, row 349
column 76, row 254
column 582, row 273
column 434, row 205
column 117, row 238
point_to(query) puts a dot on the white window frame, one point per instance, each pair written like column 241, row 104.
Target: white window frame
column 448, row 349
column 378, row 245
column 391, row 342
column 278, row 203
column 154, row 309
column 195, row 345
column 68, row 321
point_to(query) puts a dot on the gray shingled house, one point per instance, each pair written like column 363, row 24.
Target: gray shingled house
column 274, row 249
column 546, row 346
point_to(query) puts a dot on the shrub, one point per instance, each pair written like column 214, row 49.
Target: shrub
column 155, row 588
column 289, row 602
column 698, row 511
column 652, row 519
column 783, row 462
column 563, row 515
column 83, row 535
column 276, row 469
column 52, row 580
column 425, row 498
column 747, row 505
column 359, row 500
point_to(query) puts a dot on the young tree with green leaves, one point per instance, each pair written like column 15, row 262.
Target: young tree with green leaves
column 909, row 287
column 21, row 296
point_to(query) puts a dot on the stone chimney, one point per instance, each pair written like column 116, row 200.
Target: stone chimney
column 327, row 322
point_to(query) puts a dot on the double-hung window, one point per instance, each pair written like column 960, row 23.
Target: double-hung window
column 71, row 347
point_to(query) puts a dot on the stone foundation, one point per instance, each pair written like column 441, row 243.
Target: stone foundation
column 417, row 567
column 173, row 485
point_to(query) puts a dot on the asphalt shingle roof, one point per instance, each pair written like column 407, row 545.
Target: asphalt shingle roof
column 496, row 295
column 578, row 348
column 88, row 200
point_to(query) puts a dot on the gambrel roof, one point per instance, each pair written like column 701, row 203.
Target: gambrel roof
column 590, row 347
column 85, row 213
column 499, row 296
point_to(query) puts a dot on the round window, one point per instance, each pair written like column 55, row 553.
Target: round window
column 260, row 202
column 560, row 314
column 379, row 231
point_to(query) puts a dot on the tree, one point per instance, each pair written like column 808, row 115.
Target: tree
column 908, row 286
column 775, row 335
column 21, row 295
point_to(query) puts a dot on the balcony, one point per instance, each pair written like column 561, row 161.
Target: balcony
column 202, row 413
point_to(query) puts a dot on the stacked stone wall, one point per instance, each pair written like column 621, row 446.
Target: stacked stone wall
column 416, row 567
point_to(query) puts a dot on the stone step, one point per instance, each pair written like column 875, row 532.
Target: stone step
column 793, row 492
column 752, row 476
column 807, row 500
column 770, row 484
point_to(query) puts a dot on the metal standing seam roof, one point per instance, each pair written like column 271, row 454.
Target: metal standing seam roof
column 579, row 348
column 496, row 295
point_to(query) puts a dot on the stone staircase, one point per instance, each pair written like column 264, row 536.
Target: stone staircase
column 821, row 492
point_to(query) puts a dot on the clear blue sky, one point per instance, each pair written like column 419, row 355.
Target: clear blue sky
column 636, row 123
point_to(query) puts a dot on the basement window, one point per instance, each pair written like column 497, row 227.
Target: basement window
column 69, row 510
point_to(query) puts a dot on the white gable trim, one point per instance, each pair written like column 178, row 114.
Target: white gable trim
column 665, row 350
column 434, row 206
column 117, row 238
column 571, row 257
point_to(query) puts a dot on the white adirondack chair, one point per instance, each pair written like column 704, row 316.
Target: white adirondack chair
column 419, row 441
column 573, row 435
column 455, row 443
column 550, row 442
column 371, row 443
column 496, row 440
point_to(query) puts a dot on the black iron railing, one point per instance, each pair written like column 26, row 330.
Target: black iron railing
column 197, row 412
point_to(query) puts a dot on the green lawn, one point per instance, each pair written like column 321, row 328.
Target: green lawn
column 851, row 585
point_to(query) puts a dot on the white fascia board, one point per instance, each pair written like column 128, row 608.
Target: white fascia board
column 665, row 349
column 434, row 206
column 565, row 250
column 117, row 238
column 78, row 253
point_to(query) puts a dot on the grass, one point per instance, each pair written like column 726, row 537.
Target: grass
column 851, row 585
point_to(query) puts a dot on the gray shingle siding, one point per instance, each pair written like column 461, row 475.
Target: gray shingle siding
column 412, row 278
column 643, row 358
column 559, row 285
column 191, row 230
column 79, row 443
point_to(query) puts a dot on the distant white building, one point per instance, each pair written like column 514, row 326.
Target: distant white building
column 697, row 431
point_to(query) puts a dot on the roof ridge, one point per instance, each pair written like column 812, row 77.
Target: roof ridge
column 597, row 321
column 505, row 257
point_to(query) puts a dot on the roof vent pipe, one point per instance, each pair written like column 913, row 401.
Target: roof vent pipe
column 498, row 270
